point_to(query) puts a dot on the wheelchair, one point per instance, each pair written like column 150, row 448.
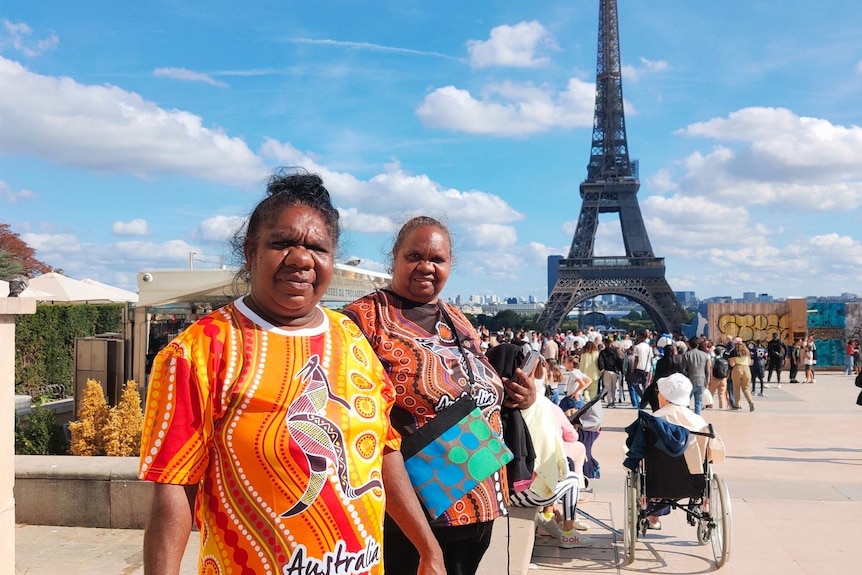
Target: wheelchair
column 660, row 481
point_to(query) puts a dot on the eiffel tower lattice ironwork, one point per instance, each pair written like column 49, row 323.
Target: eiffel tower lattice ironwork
column 611, row 187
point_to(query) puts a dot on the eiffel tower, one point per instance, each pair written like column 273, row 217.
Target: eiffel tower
column 611, row 187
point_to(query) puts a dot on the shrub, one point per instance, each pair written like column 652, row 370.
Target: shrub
column 40, row 434
column 87, row 438
column 122, row 436
column 101, row 430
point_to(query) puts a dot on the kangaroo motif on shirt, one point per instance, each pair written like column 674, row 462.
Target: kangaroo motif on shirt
column 320, row 439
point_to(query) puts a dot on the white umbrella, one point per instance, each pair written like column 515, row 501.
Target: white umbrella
column 118, row 294
column 66, row 289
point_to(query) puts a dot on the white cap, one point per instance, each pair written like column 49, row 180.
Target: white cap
column 676, row 388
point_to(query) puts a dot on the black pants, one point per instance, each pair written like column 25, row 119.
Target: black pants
column 757, row 373
column 774, row 365
column 463, row 547
column 794, row 369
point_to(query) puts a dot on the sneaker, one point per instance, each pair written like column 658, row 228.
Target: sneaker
column 548, row 524
column 570, row 540
column 766, row 385
column 761, row 394
column 580, row 525
column 654, row 525
column 778, row 386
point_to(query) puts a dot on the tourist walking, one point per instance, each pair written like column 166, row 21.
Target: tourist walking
column 590, row 366
column 758, row 366
column 741, row 374
column 849, row 357
column 718, row 378
column 611, row 365
column 697, row 367
column 776, row 351
column 640, row 369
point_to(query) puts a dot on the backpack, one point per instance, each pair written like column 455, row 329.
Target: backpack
column 720, row 368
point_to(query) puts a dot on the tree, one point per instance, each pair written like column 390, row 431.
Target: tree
column 19, row 253
column 9, row 266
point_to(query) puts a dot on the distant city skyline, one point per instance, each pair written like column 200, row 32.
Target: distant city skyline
column 687, row 298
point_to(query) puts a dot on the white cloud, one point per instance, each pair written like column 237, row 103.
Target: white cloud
column 635, row 73
column 772, row 156
column 662, row 181
column 57, row 243
column 10, row 196
column 859, row 67
column 509, row 109
column 396, row 194
column 495, row 237
column 353, row 220
column 690, row 225
column 220, row 228
column 188, row 75
column 107, row 129
column 514, row 46
column 17, row 36
column 136, row 227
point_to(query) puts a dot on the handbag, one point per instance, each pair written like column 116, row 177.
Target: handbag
column 451, row 454
column 455, row 451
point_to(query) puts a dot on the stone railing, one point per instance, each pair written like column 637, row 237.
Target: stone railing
column 76, row 491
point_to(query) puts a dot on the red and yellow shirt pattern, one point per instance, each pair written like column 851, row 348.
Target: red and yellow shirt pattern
column 419, row 351
column 285, row 433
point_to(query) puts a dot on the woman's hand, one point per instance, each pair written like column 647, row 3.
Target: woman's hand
column 519, row 394
column 404, row 507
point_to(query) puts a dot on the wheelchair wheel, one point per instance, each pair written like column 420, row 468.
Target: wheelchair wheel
column 630, row 531
column 719, row 510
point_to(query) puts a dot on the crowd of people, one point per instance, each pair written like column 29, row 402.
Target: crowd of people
column 628, row 365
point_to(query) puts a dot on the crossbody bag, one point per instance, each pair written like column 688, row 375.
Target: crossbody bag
column 455, row 451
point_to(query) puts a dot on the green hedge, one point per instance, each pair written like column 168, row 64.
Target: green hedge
column 45, row 341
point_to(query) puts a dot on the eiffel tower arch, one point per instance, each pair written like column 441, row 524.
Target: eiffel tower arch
column 611, row 186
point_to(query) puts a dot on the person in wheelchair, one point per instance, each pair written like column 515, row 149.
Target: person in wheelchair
column 674, row 394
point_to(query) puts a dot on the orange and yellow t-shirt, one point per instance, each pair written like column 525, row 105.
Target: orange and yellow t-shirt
column 285, row 433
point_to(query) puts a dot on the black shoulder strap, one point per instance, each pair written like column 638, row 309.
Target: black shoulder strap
column 457, row 337
column 414, row 443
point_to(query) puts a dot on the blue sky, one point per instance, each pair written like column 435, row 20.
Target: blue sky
column 134, row 135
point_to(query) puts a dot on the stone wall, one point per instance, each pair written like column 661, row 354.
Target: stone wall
column 75, row 491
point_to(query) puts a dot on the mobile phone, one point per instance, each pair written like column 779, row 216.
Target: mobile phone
column 530, row 362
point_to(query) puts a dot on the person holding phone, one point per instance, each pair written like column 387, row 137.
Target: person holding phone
column 429, row 350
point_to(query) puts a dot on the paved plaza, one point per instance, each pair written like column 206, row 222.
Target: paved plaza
column 794, row 472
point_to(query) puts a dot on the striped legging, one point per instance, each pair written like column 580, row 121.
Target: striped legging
column 566, row 492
